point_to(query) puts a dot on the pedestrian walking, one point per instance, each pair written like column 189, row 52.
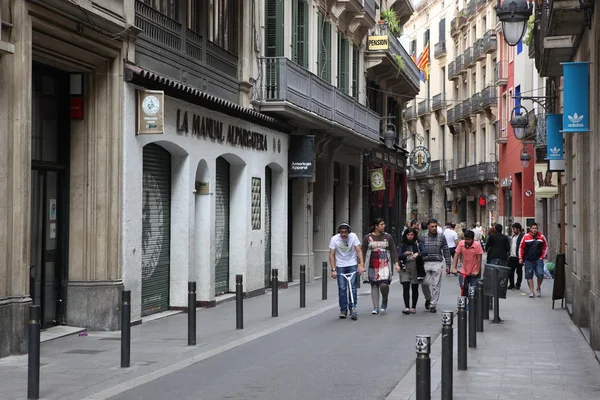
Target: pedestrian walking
column 380, row 253
column 435, row 245
column 451, row 239
column 497, row 247
column 479, row 231
column 513, row 258
column 471, row 252
column 408, row 252
column 344, row 252
column 532, row 251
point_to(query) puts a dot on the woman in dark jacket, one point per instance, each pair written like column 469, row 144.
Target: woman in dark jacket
column 408, row 252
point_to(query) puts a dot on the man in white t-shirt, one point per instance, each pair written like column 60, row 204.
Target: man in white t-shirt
column 344, row 252
column 478, row 231
column 451, row 239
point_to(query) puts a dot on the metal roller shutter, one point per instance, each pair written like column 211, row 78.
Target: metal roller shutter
column 222, row 227
column 156, row 229
column 267, row 226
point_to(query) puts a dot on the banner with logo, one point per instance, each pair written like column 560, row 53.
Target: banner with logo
column 301, row 156
column 554, row 137
column 377, row 179
column 576, row 111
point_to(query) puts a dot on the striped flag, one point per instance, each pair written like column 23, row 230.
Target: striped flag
column 423, row 63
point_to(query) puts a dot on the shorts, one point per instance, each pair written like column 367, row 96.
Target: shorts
column 536, row 266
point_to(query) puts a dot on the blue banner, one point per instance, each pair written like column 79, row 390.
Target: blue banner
column 554, row 137
column 576, row 92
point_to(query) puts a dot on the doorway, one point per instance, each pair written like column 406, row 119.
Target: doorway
column 50, row 143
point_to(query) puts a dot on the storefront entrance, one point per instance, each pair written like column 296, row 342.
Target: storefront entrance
column 49, row 193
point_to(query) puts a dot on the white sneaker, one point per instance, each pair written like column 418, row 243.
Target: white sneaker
column 539, row 292
column 531, row 295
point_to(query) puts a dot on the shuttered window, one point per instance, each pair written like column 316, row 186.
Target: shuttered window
column 324, row 60
column 442, row 28
column 355, row 70
column 274, row 28
column 343, row 63
column 300, row 32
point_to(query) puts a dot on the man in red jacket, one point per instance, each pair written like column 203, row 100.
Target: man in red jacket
column 532, row 251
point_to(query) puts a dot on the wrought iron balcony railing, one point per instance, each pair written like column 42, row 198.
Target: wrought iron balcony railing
column 490, row 42
column 438, row 102
column 478, row 173
column 489, row 97
column 476, row 105
column 454, row 27
column 478, row 52
column 501, row 73
column 410, row 113
column 440, row 49
column 424, row 108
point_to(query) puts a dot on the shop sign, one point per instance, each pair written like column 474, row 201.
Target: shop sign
column 378, row 43
column 150, row 112
column 554, row 137
column 301, row 156
column 576, row 94
column 377, row 179
column 420, row 159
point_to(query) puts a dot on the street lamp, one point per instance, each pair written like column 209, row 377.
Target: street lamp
column 514, row 15
column 389, row 136
column 525, row 157
column 519, row 122
column 481, row 173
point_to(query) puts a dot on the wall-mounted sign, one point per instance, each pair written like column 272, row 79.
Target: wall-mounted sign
column 576, row 94
column 420, row 159
column 528, row 193
column 554, row 137
column 301, row 156
column 202, row 188
column 377, row 179
column 150, row 112
column 546, row 181
column 378, row 43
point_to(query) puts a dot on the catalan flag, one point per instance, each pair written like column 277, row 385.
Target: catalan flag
column 423, row 63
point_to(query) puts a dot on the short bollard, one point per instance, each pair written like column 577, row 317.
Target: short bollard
column 274, row 292
column 239, row 302
column 191, row 313
column 125, row 328
column 496, row 319
column 324, row 282
column 480, row 305
column 472, row 317
column 447, row 353
column 423, row 367
column 462, row 333
column 33, row 364
column 302, row 286
column 486, row 306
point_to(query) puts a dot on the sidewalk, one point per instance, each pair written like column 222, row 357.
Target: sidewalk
column 74, row 367
column 536, row 353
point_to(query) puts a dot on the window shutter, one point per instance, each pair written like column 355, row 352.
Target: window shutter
column 442, row 30
column 324, row 62
column 355, row 69
column 300, row 33
column 274, row 28
column 343, row 60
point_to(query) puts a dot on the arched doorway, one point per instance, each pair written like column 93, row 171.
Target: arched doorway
column 268, row 202
column 222, row 200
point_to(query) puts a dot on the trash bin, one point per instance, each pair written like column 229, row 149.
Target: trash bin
column 490, row 278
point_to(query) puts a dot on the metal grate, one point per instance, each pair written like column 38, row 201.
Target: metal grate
column 256, row 203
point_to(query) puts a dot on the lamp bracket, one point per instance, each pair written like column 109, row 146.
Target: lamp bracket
column 547, row 102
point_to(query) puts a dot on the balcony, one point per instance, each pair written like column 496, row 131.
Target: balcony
column 462, row 19
column 438, row 102
column 454, row 31
column 490, row 42
column 479, row 54
column 476, row 105
column 501, row 132
column 452, row 71
column 472, row 174
column 410, row 114
column 469, row 57
column 489, row 98
column 460, row 64
column 166, row 45
column 501, row 73
column 424, row 108
column 459, row 113
column 439, row 49
column 289, row 90
column 480, row 4
column 471, row 9
column 466, row 108
column 436, row 168
column 362, row 10
column 384, row 64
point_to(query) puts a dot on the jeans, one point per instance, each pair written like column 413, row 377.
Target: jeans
column 343, row 286
column 536, row 266
column 470, row 280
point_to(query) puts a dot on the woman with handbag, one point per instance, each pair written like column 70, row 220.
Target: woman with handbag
column 380, row 253
column 408, row 252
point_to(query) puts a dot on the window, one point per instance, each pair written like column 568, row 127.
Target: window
column 223, row 24
column 166, row 7
column 443, row 82
column 520, row 46
column 300, row 32
column 517, row 97
column 473, row 83
column 413, row 49
column 343, row 61
column 483, row 77
column 442, row 30
column 324, row 58
column 274, row 28
column 355, row 70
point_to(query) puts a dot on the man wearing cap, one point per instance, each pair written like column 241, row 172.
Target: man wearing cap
column 344, row 252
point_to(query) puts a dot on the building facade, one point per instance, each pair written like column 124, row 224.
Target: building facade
column 572, row 217
column 456, row 119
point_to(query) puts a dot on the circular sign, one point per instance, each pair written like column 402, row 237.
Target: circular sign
column 528, row 193
column 420, row 159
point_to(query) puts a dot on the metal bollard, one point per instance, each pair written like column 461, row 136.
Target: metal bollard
column 302, row 286
column 239, row 302
column 486, row 306
column 274, row 292
column 462, row 333
column 480, row 305
column 496, row 319
column 472, row 318
column 447, row 354
column 125, row 328
column 324, row 282
column 191, row 313
column 423, row 367
column 33, row 362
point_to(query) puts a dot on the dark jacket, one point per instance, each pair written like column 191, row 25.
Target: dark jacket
column 497, row 246
column 415, row 247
